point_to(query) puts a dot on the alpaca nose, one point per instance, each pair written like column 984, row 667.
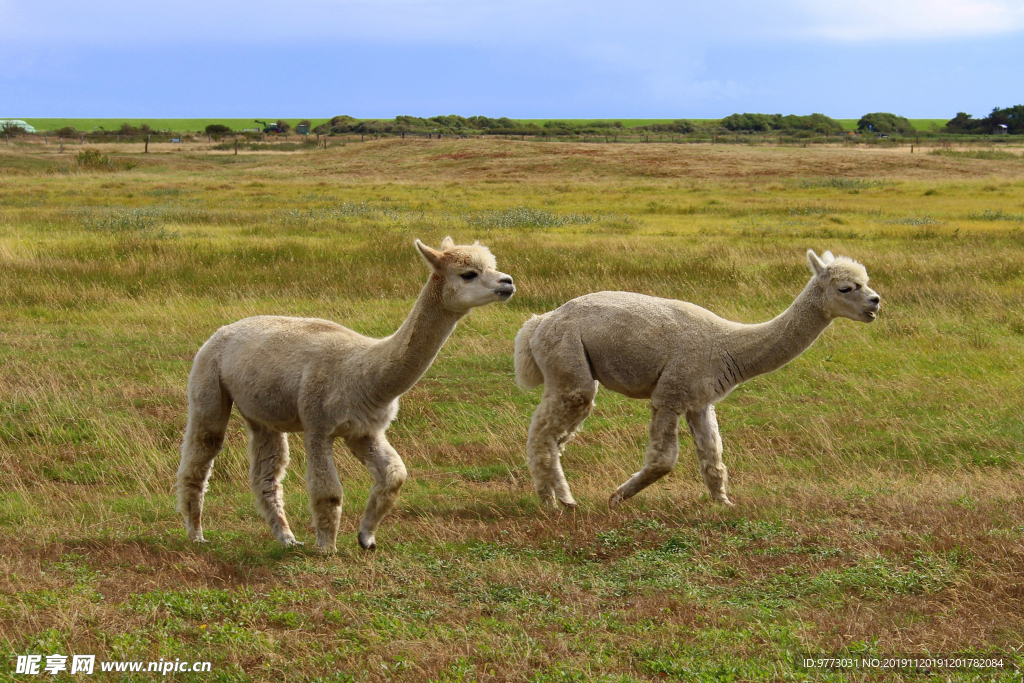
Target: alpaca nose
column 875, row 299
column 505, row 280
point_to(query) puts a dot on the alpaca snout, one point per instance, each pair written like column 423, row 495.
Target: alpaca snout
column 505, row 287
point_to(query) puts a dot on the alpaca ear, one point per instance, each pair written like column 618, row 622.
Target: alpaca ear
column 816, row 264
column 447, row 243
column 433, row 257
column 827, row 258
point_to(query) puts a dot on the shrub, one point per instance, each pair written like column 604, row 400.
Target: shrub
column 217, row 129
column 94, row 160
column 283, row 126
column 885, row 123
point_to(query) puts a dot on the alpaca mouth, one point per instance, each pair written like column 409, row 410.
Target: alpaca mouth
column 505, row 293
column 871, row 315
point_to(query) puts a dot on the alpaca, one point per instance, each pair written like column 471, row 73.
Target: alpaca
column 315, row 376
column 680, row 356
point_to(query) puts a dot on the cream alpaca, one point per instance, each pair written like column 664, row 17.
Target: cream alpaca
column 680, row 356
column 315, row 376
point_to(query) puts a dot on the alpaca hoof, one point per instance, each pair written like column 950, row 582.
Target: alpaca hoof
column 615, row 500
column 568, row 504
column 291, row 542
column 197, row 538
column 326, row 549
column 722, row 498
column 367, row 542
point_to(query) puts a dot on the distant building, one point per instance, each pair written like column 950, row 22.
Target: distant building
column 302, row 129
column 4, row 123
column 1001, row 129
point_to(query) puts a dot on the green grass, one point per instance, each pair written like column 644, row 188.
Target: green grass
column 878, row 476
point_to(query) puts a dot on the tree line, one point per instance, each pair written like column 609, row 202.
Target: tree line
column 1001, row 120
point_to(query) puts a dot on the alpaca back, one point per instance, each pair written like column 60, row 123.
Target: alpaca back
column 528, row 374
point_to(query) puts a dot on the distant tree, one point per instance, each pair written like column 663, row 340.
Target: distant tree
column 682, row 126
column 1011, row 117
column 306, row 122
column 127, row 129
column 885, row 123
column 283, row 126
column 337, row 125
column 751, row 122
column 67, row 132
column 218, row 129
column 964, row 123
column 818, row 123
column 11, row 128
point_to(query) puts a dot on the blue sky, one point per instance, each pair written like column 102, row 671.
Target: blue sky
column 530, row 59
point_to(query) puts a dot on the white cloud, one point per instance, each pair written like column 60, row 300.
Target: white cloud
column 569, row 24
column 908, row 20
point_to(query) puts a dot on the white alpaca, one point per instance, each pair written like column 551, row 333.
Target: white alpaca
column 315, row 376
column 681, row 356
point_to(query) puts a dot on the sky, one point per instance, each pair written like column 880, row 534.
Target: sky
column 525, row 59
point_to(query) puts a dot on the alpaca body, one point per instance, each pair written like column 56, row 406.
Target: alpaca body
column 326, row 381
column 285, row 373
column 680, row 356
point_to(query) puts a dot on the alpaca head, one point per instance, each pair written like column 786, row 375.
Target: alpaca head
column 468, row 273
column 844, row 283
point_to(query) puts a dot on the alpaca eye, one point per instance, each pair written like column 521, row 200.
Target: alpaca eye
column 468, row 276
column 845, row 290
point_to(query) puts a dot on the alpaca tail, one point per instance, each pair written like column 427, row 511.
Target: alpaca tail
column 528, row 374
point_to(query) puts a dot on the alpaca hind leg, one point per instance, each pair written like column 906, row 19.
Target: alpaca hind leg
column 662, row 455
column 209, row 411
column 268, row 459
column 388, row 472
column 324, row 489
column 558, row 416
column 704, row 428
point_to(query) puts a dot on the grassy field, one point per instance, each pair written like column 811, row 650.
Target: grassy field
column 878, row 478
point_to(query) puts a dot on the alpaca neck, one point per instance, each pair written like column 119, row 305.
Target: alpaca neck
column 401, row 359
column 757, row 349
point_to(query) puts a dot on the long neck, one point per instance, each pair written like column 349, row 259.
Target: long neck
column 756, row 349
column 401, row 359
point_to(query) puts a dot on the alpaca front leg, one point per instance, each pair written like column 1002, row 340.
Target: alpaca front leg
column 268, row 459
column 325, row 493
column 662, row 454
column 704, row 429
column 388, row 472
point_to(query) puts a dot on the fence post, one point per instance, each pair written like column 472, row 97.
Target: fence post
column 236, row 144
column 147, row 145
column 81, row 139
column 62, row 144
